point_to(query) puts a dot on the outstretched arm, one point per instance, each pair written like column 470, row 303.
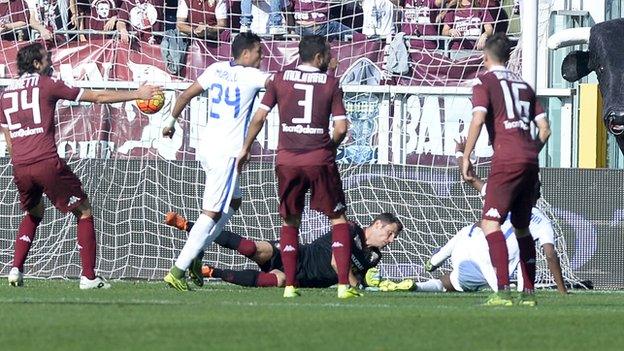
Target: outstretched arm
column 553, row 265
column 111, row 96
column 254, row 129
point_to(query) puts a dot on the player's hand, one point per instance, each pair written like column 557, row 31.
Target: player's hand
column 168, row 132
column 466, row 170
column 242, row 159
column 200, row 30
column 147, row 91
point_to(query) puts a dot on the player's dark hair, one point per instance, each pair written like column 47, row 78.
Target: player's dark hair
column 310, row 45
column 244, row 41
column 389, row 218
column 498, row 46
column 26, row 57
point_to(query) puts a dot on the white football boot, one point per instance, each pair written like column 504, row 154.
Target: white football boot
column 16, row 278
column 97, row 283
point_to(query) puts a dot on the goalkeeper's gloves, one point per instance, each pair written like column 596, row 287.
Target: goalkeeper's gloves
column 403, row 285
column 372, row 277
column 429, row 267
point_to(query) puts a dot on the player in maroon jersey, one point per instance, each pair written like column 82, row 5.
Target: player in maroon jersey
column 507, row 106
column 307, row 96
column 27, row 122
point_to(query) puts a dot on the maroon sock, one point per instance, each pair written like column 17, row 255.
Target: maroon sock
column 341, row 248
column 500, row 257
column 25, row 237
column 527, row 262
column 266, row 280
column 289, row 249
column 86, row 246
column 247, row 247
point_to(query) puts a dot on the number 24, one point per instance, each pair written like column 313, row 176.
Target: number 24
column 216, row 90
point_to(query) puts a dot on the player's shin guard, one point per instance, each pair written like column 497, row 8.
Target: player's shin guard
column 86, row 246
column 289, row 250
column 341, row 248
column 500, row 257
column 25, row 237
column 236, row 242
column 527, row 262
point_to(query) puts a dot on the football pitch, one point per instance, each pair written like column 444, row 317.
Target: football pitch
column 56, row 315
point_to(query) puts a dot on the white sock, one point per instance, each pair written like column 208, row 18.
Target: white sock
column 199, row 235
column 431, row 285
column 218, row 227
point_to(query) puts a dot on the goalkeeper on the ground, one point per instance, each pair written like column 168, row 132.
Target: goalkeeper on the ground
column 316, row 267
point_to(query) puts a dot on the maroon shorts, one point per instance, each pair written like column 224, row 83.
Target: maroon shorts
column 52, row 177
column 325, row 187
column 514, row 189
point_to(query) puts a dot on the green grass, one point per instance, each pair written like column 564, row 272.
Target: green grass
column 56, row 315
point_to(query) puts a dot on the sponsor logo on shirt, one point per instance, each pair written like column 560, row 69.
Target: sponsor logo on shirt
column 492, row 212
column 516, row 124
column 299, row 129
column 20, row 133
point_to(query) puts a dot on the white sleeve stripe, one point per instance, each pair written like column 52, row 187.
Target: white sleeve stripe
column 265, row 107
column 79, row 95
column 338, row 118
column 479, row 109
column 540, row 116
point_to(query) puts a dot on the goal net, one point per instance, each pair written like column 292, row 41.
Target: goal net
column 399, row 155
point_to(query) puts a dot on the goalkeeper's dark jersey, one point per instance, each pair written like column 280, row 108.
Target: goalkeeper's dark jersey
column 314, row 269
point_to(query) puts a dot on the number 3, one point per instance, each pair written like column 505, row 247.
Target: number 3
column 306, row 103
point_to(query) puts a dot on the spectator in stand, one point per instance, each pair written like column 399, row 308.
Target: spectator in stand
column 99, row 15
column 379, row 17
column 14, row 20
column 466, row 21
column 267, row 18
column 204, row 19
column 312, row 17
column 420, row 18
column 49, row 16
column 142, row 16
column 498, row 13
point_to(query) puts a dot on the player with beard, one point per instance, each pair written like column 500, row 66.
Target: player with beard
column 27, row 121
column 314, row 269
column 308, row 98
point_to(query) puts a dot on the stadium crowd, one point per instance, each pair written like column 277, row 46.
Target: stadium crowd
column 430, row 24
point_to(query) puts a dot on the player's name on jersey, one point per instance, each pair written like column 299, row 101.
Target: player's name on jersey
column 227, row 75
column 28, row 81
column 305, row 77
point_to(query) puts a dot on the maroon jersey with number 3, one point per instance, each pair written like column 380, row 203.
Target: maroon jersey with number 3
column 511, row 106
column 306, row 99
column 27, row 111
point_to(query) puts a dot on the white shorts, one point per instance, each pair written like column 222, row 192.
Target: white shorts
column 468, row 277
column 221, row 183
column 468, row 257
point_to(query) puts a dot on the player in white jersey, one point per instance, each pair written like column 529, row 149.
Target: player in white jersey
column 232, row 87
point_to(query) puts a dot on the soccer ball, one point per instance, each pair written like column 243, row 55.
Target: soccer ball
column 153, row 105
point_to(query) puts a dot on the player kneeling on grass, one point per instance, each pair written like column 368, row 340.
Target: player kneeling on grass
column 316, row 268
column 27, row 119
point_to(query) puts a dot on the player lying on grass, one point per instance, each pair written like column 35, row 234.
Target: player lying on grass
column 540, row 226
column 316, row 268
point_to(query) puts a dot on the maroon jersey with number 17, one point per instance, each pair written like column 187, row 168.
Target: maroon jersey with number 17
column 511, row 106
column 306, row 98
column 27, row 110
